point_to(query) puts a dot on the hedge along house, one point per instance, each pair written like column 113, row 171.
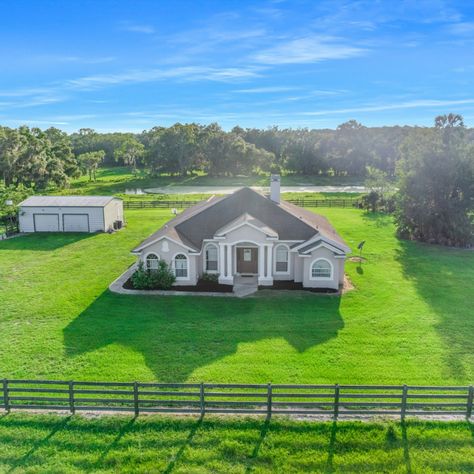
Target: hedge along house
column 249, row 234
column 70, row 214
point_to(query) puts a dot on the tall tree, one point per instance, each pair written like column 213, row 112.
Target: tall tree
column 130, row 152
column 90, row 162
column 436, row 188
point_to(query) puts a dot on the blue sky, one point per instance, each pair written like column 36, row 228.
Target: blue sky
column 130, row 65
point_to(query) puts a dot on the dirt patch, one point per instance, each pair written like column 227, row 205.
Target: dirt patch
column 347, row 285
column 357, row 259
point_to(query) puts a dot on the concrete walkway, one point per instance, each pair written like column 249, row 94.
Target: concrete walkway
column 245, row 286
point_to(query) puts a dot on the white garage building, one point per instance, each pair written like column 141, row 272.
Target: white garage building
column 70, row 214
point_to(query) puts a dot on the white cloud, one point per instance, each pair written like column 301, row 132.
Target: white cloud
column 138, row 28
column 461, row 28
column 414, row 104
column 186, row 73
column 265, row 90
column 307, row 50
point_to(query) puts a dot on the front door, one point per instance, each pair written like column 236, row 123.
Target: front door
column 247, row 260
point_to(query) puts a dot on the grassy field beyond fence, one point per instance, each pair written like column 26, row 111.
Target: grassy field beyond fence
column 36, row 443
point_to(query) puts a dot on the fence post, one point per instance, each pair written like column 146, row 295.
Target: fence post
column 202, row 401
column 336, row 401
column 71, row 397
column 470, row 400
column 404, row 402
column 269, row 401
column 135, row 398
column 6, row 401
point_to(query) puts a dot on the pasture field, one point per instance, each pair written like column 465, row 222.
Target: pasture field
column 409, row 319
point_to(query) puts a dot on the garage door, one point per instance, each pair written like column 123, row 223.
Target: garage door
column 46, row 222
column 76, row 222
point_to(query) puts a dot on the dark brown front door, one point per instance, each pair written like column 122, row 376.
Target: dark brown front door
column 247, row 260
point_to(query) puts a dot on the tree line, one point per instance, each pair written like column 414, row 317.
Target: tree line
column 432, row 167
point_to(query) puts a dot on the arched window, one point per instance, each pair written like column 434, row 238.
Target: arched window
column 321, row 269
column 181, row 266
column 211, row 258
column 152, row 261
column 281, row 259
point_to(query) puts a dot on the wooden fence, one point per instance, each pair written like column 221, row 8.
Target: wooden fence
column 148, row 204
column 265, row 399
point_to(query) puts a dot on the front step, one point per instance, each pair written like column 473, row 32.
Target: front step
column 245, row 286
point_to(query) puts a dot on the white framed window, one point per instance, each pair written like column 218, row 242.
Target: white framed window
column 321, row 269
column 281, row 259
column 247, row 255
column 181, row 266
column 152, row 261
column 211, row 256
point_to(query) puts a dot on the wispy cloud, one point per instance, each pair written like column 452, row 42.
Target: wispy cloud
column 187, row 73
column 414, row 104
column 265, row 90
column 137, row 28
column 55, row 58
column 462, row 28
column 307, row 50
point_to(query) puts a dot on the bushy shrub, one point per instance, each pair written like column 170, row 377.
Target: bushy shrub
column 160, row 279
column 211, row 277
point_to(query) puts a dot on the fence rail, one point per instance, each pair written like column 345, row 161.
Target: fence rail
column 266, row 399
column 149, row 204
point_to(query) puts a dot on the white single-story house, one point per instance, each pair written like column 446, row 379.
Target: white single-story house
column 70, row 214
column 247, row 233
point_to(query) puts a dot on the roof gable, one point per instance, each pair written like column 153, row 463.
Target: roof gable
column 206, row 223
column 246, row 220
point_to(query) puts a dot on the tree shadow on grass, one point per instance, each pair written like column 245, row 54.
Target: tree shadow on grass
column 177, row 335
column 444, row 278
column 188, row 445
column 44, row 241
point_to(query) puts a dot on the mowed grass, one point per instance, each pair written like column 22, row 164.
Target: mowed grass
column 38, row 443
column 409, row 320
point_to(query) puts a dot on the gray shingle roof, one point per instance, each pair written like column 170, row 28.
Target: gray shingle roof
column 203, row 220
column 67, row 201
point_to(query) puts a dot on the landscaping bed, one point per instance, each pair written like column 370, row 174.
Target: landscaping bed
column 202, row 286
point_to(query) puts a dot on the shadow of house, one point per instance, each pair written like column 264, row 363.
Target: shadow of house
column 177, row 335
column 443, row 277
column 44, row 241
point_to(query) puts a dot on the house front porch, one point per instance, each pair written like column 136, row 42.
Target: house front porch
column 245, row 259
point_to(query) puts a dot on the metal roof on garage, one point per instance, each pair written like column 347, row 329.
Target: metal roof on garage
column 67, row 201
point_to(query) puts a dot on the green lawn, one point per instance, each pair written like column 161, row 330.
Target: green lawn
column 409, row 320
column 36, row 443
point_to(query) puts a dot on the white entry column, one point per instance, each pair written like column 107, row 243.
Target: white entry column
column 224, row 273
column 269, row 261
column 229, row 262
column 265, row 265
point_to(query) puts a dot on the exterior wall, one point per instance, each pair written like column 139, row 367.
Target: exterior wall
column 96, row 216
column 298, row 268
column 113, row 211
column 166, row 250
column 341, row 262
column 333, row 283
